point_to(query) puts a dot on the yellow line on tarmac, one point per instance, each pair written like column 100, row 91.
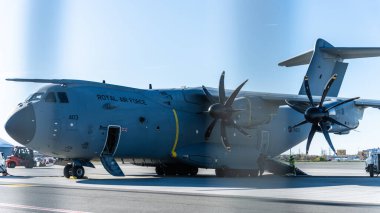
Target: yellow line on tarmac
column 16, row 185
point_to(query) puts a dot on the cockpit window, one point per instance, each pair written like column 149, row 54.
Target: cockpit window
column 50, row 97
column 35, row 97
column 62, row 97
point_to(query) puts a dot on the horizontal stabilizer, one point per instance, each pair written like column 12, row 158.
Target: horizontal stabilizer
column 352, row 52
column 335, row 52
column 298, row 60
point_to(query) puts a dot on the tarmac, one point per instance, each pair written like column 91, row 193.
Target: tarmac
column 330, row 186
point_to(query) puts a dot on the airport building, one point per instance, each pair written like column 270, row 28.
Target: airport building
column 6, row 147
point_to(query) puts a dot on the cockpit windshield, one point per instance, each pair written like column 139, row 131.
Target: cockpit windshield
column 35, row 97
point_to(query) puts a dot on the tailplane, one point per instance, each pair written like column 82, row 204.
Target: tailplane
column 326, row 60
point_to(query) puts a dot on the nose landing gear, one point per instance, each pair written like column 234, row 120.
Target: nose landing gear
column 76, row 169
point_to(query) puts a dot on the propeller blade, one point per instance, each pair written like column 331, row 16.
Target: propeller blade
column 209, row 129
column 208, row 95
column 222, row 92
column 310, row 137
column 299, row 124
column 231, row 99
column 307, row 89
column 327, row 136
column 224, row 138
column 332, row 120
column 296, row 108
column 340, row 103
column 327, row 88
column 241, row 130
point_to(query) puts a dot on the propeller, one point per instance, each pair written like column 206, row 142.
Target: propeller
column 318, row 115
column 222, row 110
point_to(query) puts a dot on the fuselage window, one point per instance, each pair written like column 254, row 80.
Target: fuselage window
column 50, row 97
column 63, row 97
column 35, row 97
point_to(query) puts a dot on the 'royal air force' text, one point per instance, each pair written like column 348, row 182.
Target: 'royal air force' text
column 120, row 99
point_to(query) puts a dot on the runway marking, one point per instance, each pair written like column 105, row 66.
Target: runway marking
column 16, row 185
column 17, row 206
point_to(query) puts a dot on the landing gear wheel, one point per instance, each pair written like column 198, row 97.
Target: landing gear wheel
column 160, row 171
column 371, row 170
column 78, row 172
column 170, row 171
column 220, row 172
column 193, row 171
column 254, row 173
column 67, row 171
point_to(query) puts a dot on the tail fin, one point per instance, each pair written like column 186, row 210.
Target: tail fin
column 326, row 60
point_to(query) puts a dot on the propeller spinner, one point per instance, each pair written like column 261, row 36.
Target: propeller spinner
column 319, row 115
column 222, row 110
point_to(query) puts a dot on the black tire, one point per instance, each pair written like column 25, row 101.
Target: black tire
column 11, row 164
column 66, row 171
column 160, row 171
column 193, row 171
column 370, row 168
column 78, row 172
column 170, row 171
column 29, row 164
column 220, row 172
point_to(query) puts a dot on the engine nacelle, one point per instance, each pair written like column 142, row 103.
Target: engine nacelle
column 347, row 114
column 252, row 114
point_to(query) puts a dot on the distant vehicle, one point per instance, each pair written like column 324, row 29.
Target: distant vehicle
column 21, row 156
column 3, row 168
column 44, row 161
column 373, row 163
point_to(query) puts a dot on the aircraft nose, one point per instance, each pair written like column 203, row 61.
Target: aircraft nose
column 21, row 126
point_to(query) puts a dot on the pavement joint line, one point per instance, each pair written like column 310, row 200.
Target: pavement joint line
column 19, row 206
column 261, row 198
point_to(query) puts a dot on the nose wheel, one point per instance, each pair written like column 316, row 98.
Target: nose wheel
column 74, row 171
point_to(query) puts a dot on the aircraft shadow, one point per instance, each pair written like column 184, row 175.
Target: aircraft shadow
column 265, row 182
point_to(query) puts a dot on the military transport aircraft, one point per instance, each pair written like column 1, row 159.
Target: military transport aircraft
column 178, row 131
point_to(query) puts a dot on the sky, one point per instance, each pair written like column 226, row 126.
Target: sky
column 172, row 43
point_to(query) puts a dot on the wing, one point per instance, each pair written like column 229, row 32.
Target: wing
column 51, row 81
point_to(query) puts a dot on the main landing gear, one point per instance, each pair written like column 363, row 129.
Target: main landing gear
column 173, row 170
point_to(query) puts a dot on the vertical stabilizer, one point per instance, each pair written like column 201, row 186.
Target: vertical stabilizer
column 322, row 67
column 325, row 61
